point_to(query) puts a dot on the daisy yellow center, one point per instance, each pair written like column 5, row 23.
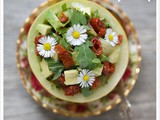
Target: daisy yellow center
column 86, row 78
column 76, row 34
column 110, row 37
column 47, row 46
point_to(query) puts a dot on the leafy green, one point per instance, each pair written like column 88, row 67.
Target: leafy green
column 62, row 30
column 85, row 56
column 64, row 7
column 64, row 43
column 55, row 67
column 86, row 92
column 103, row 58
column 95, row 14
column 56, row 37
column 78, row 17
column 107, row 24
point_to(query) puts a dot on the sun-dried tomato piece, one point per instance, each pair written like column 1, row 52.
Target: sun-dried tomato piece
column 98, row 26
column 108, row 68
column 120, row 38
column 61, row 80
column 63, row 18
column 64, row 56
column 97, row 46
column 102, row 32
column 71, row 90
column 96, row 83
column 37, row 38
column 35, row 83
column 36, row 41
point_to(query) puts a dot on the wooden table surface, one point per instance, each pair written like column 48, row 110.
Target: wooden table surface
column 18, row 105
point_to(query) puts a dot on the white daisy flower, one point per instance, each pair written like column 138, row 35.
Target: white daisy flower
column 46, row 46
column 78, row 6
column 76, row 35
column 86, row 78
column 111, row 37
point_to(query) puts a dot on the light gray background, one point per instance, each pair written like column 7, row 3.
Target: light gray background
column 18, row 105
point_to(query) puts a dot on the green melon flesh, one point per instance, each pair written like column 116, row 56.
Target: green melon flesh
column 112, row 80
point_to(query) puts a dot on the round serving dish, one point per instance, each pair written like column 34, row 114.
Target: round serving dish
column 68, row 108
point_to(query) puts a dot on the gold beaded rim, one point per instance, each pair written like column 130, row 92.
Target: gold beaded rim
column 128, row 89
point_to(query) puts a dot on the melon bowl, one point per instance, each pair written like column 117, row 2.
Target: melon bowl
column 112, row 80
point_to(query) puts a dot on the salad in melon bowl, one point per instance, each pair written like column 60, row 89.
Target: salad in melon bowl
column 77, row 50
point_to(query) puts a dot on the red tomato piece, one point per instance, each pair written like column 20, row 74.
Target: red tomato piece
column 63, row 18
column 37, row 38
column 108, row 68
column 97, row 46
column 120, row 38
column 96, row 83
column 64, row 56
column 71, row 90
column 98, row 26
column 61, row 80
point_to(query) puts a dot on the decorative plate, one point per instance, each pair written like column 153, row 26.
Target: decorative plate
column 75, row 109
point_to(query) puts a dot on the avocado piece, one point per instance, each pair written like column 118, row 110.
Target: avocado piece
column 45, row 70
column 87, row 10
column 43, row 29
column 113, row 58
column 53, row 20
column 107, row 48
column 98, row 71
column 71, row 77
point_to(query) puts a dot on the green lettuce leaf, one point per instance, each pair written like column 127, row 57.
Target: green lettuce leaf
column 55, row 67
column 85, row 56
column 78, row 17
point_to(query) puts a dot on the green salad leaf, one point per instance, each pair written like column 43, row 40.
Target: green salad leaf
column 85, row 56
column 78, row 17
column 86, row 92
column 55, row 66
column 103, row 58
column 64, row 7
column 64, row 43
column 95, row 14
